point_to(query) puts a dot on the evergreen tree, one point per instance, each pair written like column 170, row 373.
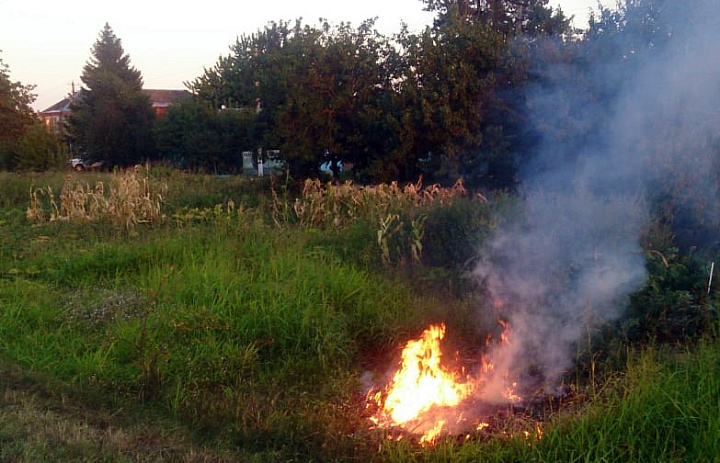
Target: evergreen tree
column 112, row 118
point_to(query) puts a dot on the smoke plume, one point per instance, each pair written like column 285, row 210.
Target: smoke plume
column 571, row 257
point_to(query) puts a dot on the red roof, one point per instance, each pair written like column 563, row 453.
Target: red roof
column 164, row 98
column 159, row 99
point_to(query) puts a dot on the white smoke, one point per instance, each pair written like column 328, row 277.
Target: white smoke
column 571, row 258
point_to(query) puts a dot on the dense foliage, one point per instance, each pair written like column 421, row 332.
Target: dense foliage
column 506, row 16
column 112, row 119
column 24, row 142
column 443, row 103
column 195, row 136
column 15, row 111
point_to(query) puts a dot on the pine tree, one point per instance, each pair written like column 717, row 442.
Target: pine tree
column 112, row 118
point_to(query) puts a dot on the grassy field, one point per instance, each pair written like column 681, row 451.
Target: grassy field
column 195, row 318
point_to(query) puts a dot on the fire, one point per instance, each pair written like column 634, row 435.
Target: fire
column 432, row 434
column 420, row 385
column 423, row 395
column 421, row 381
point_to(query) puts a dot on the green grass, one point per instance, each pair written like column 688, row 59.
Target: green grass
column 44, row 420
column 223, row 337
column 237, row 329
column 666, row 408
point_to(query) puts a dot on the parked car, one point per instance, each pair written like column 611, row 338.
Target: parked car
column 81, row 165
column 77, row 164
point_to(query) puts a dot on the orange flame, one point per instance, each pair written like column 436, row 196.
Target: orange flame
column 422, row 395
column 421, row 381
column 420, row 384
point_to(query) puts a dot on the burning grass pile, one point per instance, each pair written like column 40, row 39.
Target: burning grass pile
column 430, row 399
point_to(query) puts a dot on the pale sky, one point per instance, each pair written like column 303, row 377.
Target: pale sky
column 47, row 42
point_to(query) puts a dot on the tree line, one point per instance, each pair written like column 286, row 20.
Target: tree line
column 443, row 103
column 456, row 100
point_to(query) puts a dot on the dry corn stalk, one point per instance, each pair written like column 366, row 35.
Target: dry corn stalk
column 418, row 232
column 131, row 199
column 328, row 204
column 384, row 233
column 331, row 205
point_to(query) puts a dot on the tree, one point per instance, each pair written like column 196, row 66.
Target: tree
column 576, row 84
column 247, row 88
column 657, row 60
column 16, row 115
column 509, row 17
column 314, row 91
column 454, row 111
column 337, row 76
column 196, row 136
column 39, row 150
column 464, row 87
column 112, row 118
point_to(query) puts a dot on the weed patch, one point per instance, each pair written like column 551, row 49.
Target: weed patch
column 131, row 199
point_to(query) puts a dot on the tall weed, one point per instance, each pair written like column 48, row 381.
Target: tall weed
column 398, row 214
column 131, row 199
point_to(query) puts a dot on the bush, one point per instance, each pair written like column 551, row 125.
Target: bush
column 38, row 150
column 454, row 232
column 674, row 305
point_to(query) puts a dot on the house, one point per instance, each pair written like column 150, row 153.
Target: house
column 55, row 115
column 162, row 99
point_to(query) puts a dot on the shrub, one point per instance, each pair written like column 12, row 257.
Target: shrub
column 39, row 150
column 674, row 305
column 454, row 232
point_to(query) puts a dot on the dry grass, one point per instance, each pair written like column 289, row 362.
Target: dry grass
column 396, row 211
column 131, row 198
column 322, row 205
